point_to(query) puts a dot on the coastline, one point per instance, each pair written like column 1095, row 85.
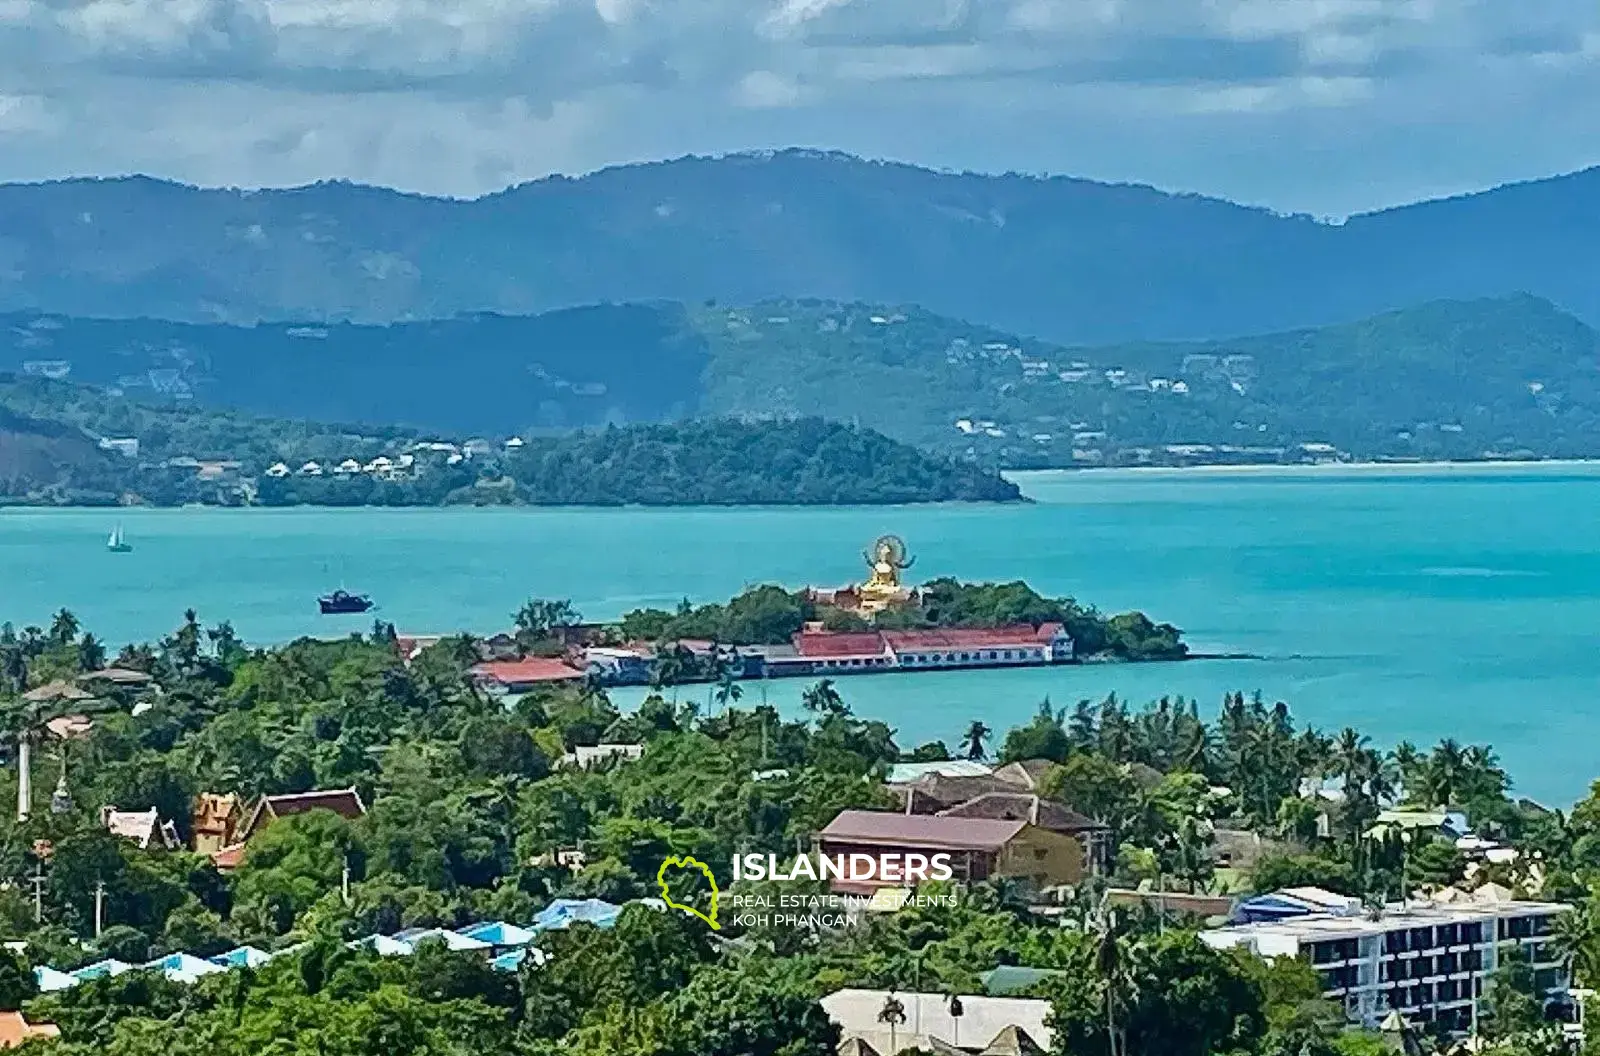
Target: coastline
column 1463, row 467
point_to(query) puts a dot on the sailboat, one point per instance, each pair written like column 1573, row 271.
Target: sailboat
column 116, row 543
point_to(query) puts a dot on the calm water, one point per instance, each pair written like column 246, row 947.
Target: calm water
column 1420, row 605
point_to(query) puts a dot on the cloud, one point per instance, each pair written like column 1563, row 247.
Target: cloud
column 1334, row 104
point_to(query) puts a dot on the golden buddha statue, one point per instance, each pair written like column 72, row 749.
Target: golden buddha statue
column 887, row 559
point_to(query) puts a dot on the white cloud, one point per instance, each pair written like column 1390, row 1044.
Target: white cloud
column 458, row 96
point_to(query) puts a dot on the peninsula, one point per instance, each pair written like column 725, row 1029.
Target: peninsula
column 64, row 444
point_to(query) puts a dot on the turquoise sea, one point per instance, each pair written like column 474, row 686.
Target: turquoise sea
column 1409, row 603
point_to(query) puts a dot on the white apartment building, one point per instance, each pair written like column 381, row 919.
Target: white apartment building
column 1427, row 960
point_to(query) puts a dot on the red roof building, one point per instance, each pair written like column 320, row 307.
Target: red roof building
column 520, row 676
column 1021, row 645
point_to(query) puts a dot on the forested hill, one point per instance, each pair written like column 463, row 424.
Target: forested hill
column 1505, row 377
column 1512, row 376
column 49, row 455
column 1067, row 259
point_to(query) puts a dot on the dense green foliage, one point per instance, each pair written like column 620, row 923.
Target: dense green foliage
column 1065, row 258
column 719, row 462
column 1461, row 380
column 770, row 615
column 469, row 804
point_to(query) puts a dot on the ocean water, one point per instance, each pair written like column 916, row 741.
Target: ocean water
column 1414, row 604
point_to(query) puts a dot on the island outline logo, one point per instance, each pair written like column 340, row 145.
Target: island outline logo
column 689, row 862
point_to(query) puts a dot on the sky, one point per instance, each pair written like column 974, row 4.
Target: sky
column 1319, row 106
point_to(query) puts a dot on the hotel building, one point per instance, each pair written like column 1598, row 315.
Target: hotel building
column 1427, row 960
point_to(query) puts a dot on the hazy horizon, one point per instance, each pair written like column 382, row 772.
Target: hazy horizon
column 1326, row 108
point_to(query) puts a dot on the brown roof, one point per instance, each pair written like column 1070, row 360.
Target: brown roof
column 51, row 692
column 1019, row 806
column 1012, row 1041
column 345, row 802
column 70, row 727
column 1025, row 773
column 527, row 671
column 228, row 857
column 856, row 1047
column 212, row 811
column 921, row 830
column 15, row 1029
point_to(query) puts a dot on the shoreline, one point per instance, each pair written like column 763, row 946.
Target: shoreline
column 1463, row 466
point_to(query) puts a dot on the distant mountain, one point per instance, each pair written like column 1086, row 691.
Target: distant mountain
column 1448, row 379
column 1068, row 259
column 563, row 369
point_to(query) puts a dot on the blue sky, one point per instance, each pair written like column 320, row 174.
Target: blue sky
column 1320, row 106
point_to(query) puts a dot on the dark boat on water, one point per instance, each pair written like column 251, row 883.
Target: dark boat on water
column 340, row 602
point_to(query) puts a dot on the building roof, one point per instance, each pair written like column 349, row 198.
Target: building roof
column 835, row 644
column 565, row 911
column 921, row 830
column 1012, row 1041
column 928, row 1019
column 1021, row 806
column 820, row 643
column 229, row 857
column 143, row 827
column 1321, row 927
column 345, row 802
column 1026, row 774
column 50, row 980
column 242, row 957
column 212, row 812
column 70, row 727
column 56, row 692
column 904, row 773
column 1011, row 978
column 498, row 933
column 119, row 676
column 15, row 1029
column 527, row 670
column 971, row 637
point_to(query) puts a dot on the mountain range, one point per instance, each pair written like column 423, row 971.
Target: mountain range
column 1067, row 259
column 1448, row 379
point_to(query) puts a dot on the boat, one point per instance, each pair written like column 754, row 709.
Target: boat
column 341, row 601
column 116, row 543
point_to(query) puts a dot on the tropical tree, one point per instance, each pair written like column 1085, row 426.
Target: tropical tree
column 974, row 743
column 822, row 698
column 893, row 1014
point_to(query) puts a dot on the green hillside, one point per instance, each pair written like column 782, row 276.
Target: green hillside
column 1450, row 379
column 51, row 453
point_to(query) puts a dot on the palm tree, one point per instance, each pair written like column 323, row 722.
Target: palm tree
column 1108, row 966
column 893, row 1013
column 728, row 688
column 953, row 1003
column 1576, row 935
column 64, row 628
column 823, row 699
column 972, row 742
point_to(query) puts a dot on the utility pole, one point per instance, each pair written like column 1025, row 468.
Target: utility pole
column 99, row 907
column 344, row 882
column 38, row 892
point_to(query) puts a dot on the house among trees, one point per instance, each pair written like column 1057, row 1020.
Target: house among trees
column 144, row 828
column 215, row 821
column 345, row 802
column 1009, row 793
column 979, row 848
